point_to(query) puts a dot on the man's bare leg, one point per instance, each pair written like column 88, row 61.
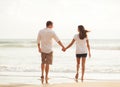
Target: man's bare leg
column 47, row 71
column 42, row 69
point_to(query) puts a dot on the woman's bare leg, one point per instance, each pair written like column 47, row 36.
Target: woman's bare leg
column 78, row 66
column 83, row 68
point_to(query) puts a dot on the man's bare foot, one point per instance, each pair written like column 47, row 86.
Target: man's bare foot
column 46, row 80
column 42, row 79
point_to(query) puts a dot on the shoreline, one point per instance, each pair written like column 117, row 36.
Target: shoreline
column 55, row 78
column 84, row 84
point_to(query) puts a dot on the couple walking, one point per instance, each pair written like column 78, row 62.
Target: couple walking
column 44, row 41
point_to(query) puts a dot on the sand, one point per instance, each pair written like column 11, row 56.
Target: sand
column 84, row 84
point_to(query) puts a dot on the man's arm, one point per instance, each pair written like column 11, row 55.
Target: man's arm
column 39, row 49
column 60, row 43
column 38, row 42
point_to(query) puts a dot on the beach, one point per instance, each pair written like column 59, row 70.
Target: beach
column 85, row 84
column 21, row 22
column 57, row 80
column 32, row 79
column 20, row 65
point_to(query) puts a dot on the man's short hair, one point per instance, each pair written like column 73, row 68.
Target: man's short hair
column 49, row 23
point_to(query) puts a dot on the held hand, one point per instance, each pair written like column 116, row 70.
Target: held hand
column 63, row 49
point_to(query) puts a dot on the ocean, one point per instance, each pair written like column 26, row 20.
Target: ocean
column 20, row 58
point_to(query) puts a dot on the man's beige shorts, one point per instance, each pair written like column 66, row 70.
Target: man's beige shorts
column 47, row 58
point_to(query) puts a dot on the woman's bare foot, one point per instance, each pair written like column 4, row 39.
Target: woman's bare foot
column 82, row 79
column 76, row 76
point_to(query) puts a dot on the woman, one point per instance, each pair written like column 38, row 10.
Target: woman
column 82, row 43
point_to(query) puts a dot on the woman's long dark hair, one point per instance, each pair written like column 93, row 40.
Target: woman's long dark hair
column 82, row 32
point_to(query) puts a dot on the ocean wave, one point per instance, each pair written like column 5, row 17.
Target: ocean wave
column 105, row 47
column 58, row 70
column 17, row 45
column 95, row 44
column 112, row 47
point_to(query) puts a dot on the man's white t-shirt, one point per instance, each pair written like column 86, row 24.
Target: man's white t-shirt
column 81, row 46
column 45, row 37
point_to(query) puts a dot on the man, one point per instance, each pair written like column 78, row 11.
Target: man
column 44, row 41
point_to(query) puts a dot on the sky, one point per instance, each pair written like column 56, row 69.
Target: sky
column 22, row 19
